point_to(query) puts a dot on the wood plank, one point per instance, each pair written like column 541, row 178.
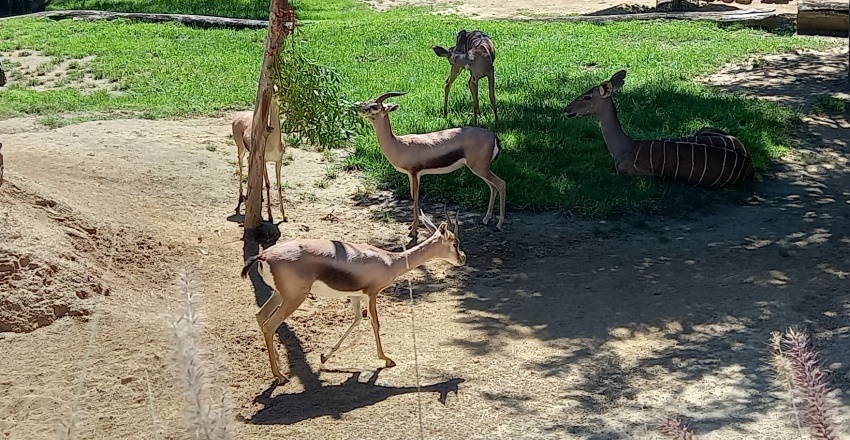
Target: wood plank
column 203, row 21
column 822, row 5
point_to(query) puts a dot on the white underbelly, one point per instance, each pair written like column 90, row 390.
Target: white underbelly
column 323, row 290
column 445, row 170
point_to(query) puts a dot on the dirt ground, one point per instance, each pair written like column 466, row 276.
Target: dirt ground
column 556, row 328
column 554, row 8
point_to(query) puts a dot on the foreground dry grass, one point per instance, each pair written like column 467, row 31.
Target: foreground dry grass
column 557, row 328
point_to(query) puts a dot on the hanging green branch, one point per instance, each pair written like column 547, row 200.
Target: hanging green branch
column 313, row 107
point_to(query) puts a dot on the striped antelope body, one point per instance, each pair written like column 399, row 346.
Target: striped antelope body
column 473, row 51
column 710, row 157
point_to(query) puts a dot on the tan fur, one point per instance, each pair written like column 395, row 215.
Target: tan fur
column 473, row 51
column 710, row 157
column 275, row 148
column 438, row 152
column 338, row 269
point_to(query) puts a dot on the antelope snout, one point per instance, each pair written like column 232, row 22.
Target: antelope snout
column 569, row 113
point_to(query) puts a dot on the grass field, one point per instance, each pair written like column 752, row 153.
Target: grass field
column 549, row 162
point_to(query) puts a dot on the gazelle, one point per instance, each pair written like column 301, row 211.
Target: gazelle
column 709, row 157
column 439, row 152
column 473, row 51
column 275, row 148
column 335, row 269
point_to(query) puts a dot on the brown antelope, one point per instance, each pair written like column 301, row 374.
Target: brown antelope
column 335, row 269
column 473, row 51
column 709, row 157
column 439, row 152
column 275, row 148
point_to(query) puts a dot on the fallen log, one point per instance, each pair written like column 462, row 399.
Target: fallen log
column 763, row 17
column 202, row 21
column 823, row 17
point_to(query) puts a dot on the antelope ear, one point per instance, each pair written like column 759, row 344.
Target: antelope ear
column 442, row 228
column 605, row 89
column 618, row 79
column 440, row 51
column 391, row 107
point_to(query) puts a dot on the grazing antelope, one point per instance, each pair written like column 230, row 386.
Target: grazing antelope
column 275, row 147
column 439, row 152
column 709, row 157
column 335, row 269
column 473, row 51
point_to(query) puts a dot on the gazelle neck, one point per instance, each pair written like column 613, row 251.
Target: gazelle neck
column 414, row 257
column 384, row 132
column 615, row 138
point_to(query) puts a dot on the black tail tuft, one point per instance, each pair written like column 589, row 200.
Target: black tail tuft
column 499, row 146
column 248, row 263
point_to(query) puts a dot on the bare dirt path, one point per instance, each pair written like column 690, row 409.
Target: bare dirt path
column 557, row 328
column 552, row 8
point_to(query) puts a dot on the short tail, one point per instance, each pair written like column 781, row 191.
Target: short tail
column 250, row 262
column 497, row 149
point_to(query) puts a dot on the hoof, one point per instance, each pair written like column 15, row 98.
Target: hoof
column 485, row 220
column 281, row 379
column 323, row 358
column 390, row 363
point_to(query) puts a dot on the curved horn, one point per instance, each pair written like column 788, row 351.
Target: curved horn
column 381, row 98
column 457, row 223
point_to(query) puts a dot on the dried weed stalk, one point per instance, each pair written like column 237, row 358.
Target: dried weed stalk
column 209, row 411
column 798, row 368
column 674, row 428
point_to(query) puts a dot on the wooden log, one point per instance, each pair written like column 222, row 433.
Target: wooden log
column 757, row 17
column 823, row 17
column 202, row 21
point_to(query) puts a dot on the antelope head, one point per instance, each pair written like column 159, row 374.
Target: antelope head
column 376, row 108
column 459, row 53
column 449, row 241
column 589, row 102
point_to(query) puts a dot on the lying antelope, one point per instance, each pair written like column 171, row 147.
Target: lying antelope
column 439, row 152
column 709, row 157
column 473, row 51
column 275, row 147
column 335, row 269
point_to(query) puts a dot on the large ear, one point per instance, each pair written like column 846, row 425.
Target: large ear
column 442, row 228
column 618, row 79
column 606, row 89
column 391, row 107
column 440, row 51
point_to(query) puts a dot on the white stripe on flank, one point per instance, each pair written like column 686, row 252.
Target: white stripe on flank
column 732, row 171
column 651, row 159
column 704, row 162
column 693, row 163
column 495, row 150
column 678, row 162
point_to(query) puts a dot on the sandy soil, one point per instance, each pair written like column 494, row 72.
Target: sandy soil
column 553, row 8
column 556, row 328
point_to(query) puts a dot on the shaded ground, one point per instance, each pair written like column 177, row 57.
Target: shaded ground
column 556, row 328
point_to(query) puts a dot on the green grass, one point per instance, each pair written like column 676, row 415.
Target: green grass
column 252, row 9
column 548, row 162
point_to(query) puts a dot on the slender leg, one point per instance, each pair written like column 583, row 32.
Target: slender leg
column 499, row 184
column 269, row 307
column 376, row 327
column 414, row 193
column 277, row 167
column 240, row 155
column 358, row 317
column 268, row 192
column 269, row 328
column 491, row 83
column 491, row 203
column 452, row 76
column 473, row 88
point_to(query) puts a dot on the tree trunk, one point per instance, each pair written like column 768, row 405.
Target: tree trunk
column 280, row 23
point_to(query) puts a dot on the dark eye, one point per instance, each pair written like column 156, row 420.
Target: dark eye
column 586, row 97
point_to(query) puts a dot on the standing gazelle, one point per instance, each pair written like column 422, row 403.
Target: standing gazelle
column 439, row 152
column 709, row 157
column 473, row 51
column 335, row 269
column 275, row 148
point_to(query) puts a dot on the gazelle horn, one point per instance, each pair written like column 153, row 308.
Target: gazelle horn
column 381, row 98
